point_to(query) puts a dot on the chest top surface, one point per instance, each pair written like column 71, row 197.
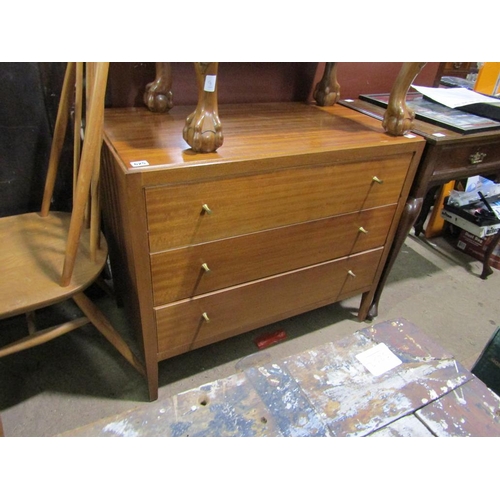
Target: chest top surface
column 144, row 141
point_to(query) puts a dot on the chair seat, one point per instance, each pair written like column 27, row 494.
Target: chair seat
column 33, row 249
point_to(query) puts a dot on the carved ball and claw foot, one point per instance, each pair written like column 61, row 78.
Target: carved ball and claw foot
column 203, row 129
column 327, row 91
column 158, row 95
column 398, row 118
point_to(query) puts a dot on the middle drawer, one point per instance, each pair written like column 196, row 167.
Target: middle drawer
column 197, row 269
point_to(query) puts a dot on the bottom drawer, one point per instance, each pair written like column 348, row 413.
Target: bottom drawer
column 192, row 323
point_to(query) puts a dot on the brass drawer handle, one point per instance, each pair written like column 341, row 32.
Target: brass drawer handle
column 350, row 273
column 477, row 158
column 206, row 209
column 205, row 267
column 377, row 180
column 363, row 230
column 205, row 317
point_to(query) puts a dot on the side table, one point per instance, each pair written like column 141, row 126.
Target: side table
column 447, row 156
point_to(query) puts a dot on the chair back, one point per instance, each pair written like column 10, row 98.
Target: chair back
column 87, row 142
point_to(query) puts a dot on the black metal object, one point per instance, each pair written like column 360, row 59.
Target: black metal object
column 487, row 366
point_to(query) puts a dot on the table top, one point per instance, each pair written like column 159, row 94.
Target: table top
column 389, row 379
column 434, row 134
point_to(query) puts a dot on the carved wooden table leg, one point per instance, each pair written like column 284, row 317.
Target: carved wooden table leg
column 398, row 118
column 327, row 91
column 158, row 95
column 426, row 207
column 203, row 130
column 410, row 213
column 487, row 255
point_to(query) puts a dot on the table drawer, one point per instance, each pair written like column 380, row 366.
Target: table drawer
column 182, row 326
column 254, row 203
column 197, row 269
column 463, row 160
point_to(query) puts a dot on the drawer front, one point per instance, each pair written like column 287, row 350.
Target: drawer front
column 189, row 271
column 182, row 326
column 465, row 160
column 248, row 204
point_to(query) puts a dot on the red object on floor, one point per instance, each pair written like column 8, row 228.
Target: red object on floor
column 268, row 339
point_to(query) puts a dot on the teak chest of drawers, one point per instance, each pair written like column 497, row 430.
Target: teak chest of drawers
column 295, row 211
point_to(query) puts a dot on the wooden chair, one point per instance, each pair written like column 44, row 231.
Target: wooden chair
column 49, row 257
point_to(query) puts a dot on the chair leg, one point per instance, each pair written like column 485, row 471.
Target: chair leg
column 100, row 321
column 31, row 320
column 39, row 337
column 1, row 428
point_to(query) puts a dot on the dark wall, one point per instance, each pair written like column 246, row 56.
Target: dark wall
column 29, row 94
column 24, row 137
column 237, row 82
column 376, row 77
column 258, row 81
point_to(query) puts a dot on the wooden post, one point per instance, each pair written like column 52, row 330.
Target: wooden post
column 59, row 135
column 92, row 143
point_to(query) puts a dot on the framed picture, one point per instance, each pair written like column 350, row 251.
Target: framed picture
column 437, row 114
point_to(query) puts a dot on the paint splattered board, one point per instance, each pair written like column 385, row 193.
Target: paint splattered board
column 389, row 379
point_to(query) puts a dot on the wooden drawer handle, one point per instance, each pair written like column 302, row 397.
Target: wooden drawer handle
column 206, row 209
column 205, row 317
column 377, row 180
column 363, row 230
column 205, row 267
column 477, row 158
column 350, row 273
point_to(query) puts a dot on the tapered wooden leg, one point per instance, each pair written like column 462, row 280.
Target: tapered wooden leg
column 100, row 321
column 152, row 379
column 398, row 118
column 158, row 96
column 203, row 130
column 424, row 212
column 327, row 91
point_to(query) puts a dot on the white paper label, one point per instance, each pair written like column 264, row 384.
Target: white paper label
column 210, row 83
column 141, row 163
column 378, row 359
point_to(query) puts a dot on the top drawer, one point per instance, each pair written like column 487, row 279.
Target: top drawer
column 241, row 205
column 463, row 160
